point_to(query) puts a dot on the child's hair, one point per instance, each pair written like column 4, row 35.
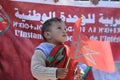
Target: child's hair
column 46, row 25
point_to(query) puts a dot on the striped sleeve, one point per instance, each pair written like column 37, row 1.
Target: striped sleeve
column 39, row 69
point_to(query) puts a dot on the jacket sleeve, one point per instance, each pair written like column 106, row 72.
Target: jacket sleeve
column 39, row 69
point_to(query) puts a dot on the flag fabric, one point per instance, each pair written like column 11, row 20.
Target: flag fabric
column 96, row 54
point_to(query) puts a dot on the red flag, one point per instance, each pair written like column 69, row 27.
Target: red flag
column 94, row 53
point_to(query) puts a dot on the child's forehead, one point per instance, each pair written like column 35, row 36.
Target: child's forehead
column 58, row 23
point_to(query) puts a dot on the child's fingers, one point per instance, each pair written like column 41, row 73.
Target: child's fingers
column 79, row 70
column 78, row 73
column 62, row 73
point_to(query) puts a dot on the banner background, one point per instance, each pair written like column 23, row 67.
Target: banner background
column 18, row 43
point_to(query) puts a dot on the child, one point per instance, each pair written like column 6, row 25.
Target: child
column 50, row 57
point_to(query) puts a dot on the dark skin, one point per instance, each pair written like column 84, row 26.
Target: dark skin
column 95, row 2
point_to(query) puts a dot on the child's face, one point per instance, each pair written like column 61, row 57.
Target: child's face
column 58, row 32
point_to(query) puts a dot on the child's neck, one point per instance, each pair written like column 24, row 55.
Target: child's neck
column 54, row 43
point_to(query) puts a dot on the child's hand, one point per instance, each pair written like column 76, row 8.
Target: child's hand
column 61, row 73
column 78, row 73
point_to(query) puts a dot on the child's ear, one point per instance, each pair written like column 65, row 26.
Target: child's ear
column 47, row 35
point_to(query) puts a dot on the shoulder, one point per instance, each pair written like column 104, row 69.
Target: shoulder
column 45, row 45
column 38, row 52
column 42, row 45
column 45, row 48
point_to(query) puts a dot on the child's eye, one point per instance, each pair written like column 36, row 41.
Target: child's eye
column 59, row 27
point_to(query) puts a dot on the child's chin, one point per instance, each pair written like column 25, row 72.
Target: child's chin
column 64, row 40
